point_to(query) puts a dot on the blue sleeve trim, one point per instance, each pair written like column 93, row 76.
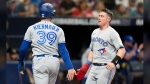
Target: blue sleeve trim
column 23, row 48
column 65, row 55
column 88, row 62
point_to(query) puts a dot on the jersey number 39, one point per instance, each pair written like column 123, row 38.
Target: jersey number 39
column 51, row 36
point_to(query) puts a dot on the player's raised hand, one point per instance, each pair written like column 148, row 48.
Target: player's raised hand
column 71, row 74
column 135, row 46
column 141, row 46
column 110, row 66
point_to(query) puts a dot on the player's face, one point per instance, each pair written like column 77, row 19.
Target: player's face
column 103, row 19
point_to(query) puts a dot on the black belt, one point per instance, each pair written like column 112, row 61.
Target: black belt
column 99, row 64
column 46, row 56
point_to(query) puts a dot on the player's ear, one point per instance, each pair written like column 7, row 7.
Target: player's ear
column 108, row 18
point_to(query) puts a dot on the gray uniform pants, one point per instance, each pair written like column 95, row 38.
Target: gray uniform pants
column 100, row 75
column 45, row 69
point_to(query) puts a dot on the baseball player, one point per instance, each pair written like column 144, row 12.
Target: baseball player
column 46, row 40
column 106, row 52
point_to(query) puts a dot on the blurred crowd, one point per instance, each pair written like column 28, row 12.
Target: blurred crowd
column 76, row 8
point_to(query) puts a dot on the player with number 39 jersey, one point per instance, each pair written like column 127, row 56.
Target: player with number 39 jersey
column 47, row 41
column 45, row 37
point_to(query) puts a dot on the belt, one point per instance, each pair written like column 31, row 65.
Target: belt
column 99, row 64
column 47, row 56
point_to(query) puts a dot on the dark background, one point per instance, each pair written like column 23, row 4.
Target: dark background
column 2, row 41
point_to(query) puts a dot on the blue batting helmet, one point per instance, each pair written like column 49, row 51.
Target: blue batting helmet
column 47, row 10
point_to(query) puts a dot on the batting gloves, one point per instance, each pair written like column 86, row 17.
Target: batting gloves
column 81, row 73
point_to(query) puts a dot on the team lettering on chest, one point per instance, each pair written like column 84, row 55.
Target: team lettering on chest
column 45, row 26
column 100, row 40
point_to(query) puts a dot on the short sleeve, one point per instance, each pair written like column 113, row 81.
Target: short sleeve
column 91, row 44
column 116, row 40
column 28, row 34
column 61, row 37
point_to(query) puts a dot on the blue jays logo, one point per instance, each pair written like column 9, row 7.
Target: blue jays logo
column 102, row 50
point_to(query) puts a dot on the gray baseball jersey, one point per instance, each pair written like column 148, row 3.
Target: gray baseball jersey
column 45, row 37
column 105, row 44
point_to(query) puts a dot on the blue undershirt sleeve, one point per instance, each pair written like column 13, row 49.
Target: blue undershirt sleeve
column 23, row 48
column 65, row 55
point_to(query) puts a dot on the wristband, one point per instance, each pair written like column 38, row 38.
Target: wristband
column 88, row 62
column 116, row 60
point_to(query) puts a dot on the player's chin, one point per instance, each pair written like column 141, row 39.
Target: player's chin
column 99, row 24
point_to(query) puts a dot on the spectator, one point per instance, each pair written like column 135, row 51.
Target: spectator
column 14, row 55
column 33, row 11
column 55, row 3
column 99, row 7
column 67, row 7
column 132, row 54
column 11, row 8
column 76, row 1
column 132, row 50
column 125, row 3
column 119, row 11
column 82, row 10
column 138, row 13
column 23, row 8
column 132, row 5
column 110, row 4
column 36, row 2
column 18, row 2
column 92, row 3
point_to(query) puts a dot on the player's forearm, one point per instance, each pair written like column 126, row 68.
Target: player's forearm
column 65, row 55
column 90, row 57
column 23, row 48
column 82, row 71
column 129, row 55
column 121, row 52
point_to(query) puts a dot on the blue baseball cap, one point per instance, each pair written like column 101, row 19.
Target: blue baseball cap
column 129, row 38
